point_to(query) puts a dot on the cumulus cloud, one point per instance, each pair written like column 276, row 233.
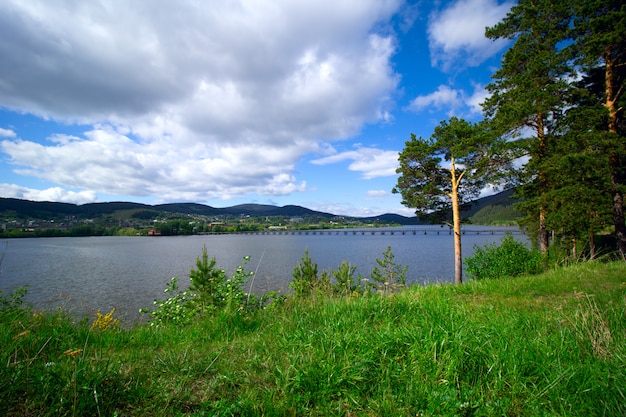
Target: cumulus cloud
column 453, row 101
column 7, row 133
column 50, row 194
column 444, row 97
column 111, row 162
column 189, row 100
column 371, row 162
column 457, row 34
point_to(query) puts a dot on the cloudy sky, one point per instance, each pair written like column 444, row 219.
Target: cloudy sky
column 279, row 102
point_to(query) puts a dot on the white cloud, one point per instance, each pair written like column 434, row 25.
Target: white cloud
column 453, row 101
column 444, row 98
column 190, row 100
column 7, row 133
column 478, row 97
column 50, row 194
column 110, row 162
column 377, row 193
column 457, row 34
column 371, row 162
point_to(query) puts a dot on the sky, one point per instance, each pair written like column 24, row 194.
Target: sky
column 304, row 102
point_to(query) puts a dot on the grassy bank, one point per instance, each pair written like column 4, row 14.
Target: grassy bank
column 553, row 344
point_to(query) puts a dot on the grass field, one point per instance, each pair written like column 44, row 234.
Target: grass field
column 552, row 344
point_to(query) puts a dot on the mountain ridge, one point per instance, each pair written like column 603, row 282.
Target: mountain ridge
column 47, row 209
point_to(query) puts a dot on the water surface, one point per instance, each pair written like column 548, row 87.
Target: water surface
column 86, row 274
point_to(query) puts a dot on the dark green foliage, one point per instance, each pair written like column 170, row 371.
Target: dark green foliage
column 207, row 281
column 509, row 259
column 559, row 94
column 496, row 215
column 426, row 180
column 213, row 290
column 145, row 214
column 14, row 301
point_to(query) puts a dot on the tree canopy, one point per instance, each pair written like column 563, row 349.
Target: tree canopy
column 559, row 93
column 558, row 99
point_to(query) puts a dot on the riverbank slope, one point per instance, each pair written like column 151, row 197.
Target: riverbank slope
column 553, row 344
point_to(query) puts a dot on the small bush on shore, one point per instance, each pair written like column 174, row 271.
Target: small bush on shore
column 510, row 258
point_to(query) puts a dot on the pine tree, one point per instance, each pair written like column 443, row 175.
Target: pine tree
column 529, row 91
column 599, row 50
column 451, row 167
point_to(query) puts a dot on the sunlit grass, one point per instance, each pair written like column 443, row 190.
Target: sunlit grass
column 552, row 344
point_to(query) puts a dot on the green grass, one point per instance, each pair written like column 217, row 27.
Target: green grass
column 552, row 344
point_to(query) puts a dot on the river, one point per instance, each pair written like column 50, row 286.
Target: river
column 86, row 274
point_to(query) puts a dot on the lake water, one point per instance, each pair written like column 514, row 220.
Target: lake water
column 86, row 274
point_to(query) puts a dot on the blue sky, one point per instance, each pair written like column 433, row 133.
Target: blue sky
column 277, row 102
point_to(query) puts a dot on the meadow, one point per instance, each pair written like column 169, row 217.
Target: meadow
column 552, row 344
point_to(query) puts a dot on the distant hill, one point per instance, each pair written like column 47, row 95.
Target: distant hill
column 480, row 209
column 494, row 210
column 497, row 209
column 391, row 218
column 491, row 210
column 50, row 210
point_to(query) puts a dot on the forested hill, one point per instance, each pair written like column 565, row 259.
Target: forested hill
column 44, row 210
column 25, row 209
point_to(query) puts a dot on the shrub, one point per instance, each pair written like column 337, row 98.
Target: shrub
column 387, row 276
column 210, row 291
column 345, row 283
column 306, row 280
column 179, row 308
column 509, row 259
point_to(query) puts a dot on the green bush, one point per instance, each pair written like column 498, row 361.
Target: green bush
column 306, row 280
column 345, row 283
column 178, row 308
column 210, row 291
column 509, row 259
column 387, row 276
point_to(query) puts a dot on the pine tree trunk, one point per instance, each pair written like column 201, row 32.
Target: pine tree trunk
column 592, row 245
column 544, row 238
column 544, row 241
column 614, row 160
column 618, row 220
column 456, row 222
column 458, row 258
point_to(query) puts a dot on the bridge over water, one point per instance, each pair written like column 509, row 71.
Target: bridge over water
column 381, row 231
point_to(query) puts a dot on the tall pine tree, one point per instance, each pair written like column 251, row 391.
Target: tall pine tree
column 529, row 91
column 599, row 50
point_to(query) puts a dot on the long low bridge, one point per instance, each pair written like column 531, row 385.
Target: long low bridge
column 377, row 231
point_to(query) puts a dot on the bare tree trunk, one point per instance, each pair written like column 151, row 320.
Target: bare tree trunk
column 458, row 258
column 456, row 222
